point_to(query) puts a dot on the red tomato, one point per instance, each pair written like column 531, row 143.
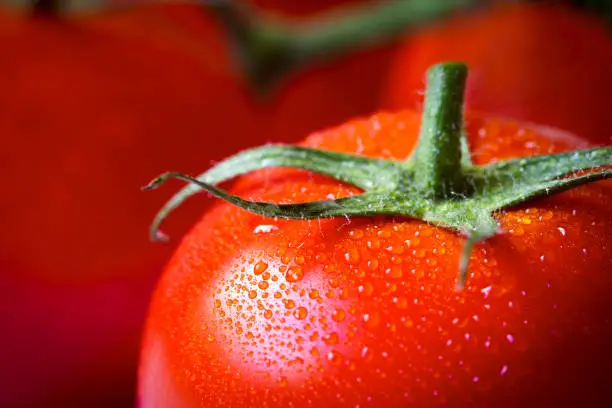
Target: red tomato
column 253, row 311
column 89, row 109
column 540, row 63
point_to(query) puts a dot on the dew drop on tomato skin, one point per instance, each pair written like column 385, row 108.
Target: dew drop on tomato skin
column 524, row 329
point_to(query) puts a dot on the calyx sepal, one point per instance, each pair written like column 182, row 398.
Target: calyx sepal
column 437, row 184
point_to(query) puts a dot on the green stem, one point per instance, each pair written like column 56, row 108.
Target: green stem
column 58, row 8
column 270, row 48
column 437, row 157
column 47, row 7
column 259, row 43
column 367, row 24
column 420, row 187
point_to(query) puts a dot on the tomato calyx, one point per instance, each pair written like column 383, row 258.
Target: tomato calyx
column 438, row 183
column 268, row 48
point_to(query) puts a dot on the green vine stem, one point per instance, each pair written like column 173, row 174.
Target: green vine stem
column 269, row 48
column 431, row 185
column 54, row 8
column 437, row 157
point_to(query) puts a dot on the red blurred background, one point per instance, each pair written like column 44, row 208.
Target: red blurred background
column 92, row 107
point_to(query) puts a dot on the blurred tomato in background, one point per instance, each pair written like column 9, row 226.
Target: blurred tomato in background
column 91, row 109
column 544, row 63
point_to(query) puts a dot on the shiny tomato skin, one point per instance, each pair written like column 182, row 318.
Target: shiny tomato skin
column 253, row 311
column 541, row 63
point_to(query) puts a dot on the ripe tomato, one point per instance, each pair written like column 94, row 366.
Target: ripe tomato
column 89, row 108
column 253, row 311
column 545, row 64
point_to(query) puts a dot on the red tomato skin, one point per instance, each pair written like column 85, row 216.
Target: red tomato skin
column 254, row 311
column 90, row 109
column 540, row 63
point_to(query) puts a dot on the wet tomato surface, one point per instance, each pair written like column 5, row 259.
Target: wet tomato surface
column 253, row 311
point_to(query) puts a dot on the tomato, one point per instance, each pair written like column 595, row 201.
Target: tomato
column 542, row 63
column 255, row 311
column 121, row 133
column 89, row 109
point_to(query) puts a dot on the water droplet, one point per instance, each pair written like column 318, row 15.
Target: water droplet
column 210, row 337
column 562, row 231
column 264, row 228
column 252, row 294
column 366, row 354
column 334, row 357
column 373, row 244
column 395, row 249
column 295, row 274
column 331, row 338
column 289, row 304
column 504, row 370
column 366, row 289
column 338, row 315
column 263, row 285
column 383, row 233
column 217, row 303
column 268, row 313
column 510, row 338
column 259, row 268
column 282, row 381
column 343, row 293
column 371, row 319
column 356, row 234
column 372, row 264
column 313, row 294
column 300, row 313
column 400, row 302
column 394, row 272
column 352, row 256
column 296, row 360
